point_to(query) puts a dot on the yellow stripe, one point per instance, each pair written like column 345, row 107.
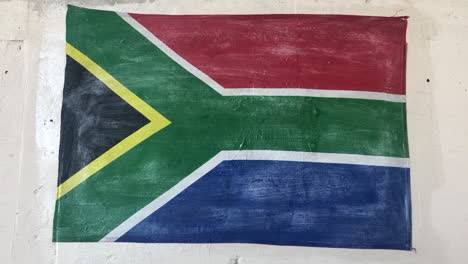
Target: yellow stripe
column 157, row 122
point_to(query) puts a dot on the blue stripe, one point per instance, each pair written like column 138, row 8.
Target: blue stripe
column 287, row 203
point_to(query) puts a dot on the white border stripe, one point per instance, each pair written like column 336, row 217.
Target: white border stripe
column 256, row 91
column 315, row 93
column 169, row 52
column 249, row 155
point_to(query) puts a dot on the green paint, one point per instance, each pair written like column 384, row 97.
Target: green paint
column 203, row 123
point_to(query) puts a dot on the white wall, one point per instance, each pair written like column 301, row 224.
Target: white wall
column 32, row 51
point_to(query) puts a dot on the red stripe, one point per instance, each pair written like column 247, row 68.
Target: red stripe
column 290, row 51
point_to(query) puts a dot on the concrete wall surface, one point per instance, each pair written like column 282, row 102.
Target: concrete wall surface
column 32, row 64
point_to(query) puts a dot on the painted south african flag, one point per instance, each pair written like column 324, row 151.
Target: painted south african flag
column 275, row 129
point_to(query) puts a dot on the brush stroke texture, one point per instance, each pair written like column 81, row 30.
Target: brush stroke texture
column 287, row 203
column 94, row 119
column 330, row 52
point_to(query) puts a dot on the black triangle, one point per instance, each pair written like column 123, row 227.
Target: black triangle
column 94, row 119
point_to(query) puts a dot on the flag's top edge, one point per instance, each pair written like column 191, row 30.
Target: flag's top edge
column 272, row 15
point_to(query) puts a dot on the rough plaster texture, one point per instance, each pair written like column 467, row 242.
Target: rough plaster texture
column 31, row 76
